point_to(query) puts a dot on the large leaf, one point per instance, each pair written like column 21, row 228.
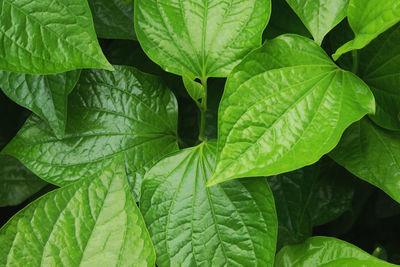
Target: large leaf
column 113, row 19
column 285, row 106
column 233, row 224
column 205, row 38
column 368, row 19
column 373, row 154
column 48, row 37
column 17, row 183
column 326, row 251
column 380, row 69
column 125, row 111
column 319, row 16
column 45, row 95
column 93, row 222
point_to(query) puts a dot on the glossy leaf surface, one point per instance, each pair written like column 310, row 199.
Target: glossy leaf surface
column 372, row 154
column 205, row 38
column 17, row 183
column 45, row 95
column 232, row 224
column 326, row 251
column 368, row 19
column 125, row 111
column 113, row 19
column 319, row 16
column 285, row 106
column 48, row 37
column 93, row 222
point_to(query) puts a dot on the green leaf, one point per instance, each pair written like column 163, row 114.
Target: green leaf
column 44, row 95
column 113, row 19
column 233, row 224
column 125, row 111
column 380, row 69
column 326, row 251
column 372, row 154
column 48, row 37
column 194, row 89
column 204, row 38
column 368, row 19
column 93, row 222
column 285, row 106
column 319, row 16
column 17, row 183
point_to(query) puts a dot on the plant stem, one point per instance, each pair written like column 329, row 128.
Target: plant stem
column 203, row 110
column 354, row 69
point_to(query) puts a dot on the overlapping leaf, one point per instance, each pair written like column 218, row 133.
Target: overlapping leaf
column 48, row 37
column 205, row 38
column 125, row 111
column 232, row 224
column 93, row 222
column 285, row 106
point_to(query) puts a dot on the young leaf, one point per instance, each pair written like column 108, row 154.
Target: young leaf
column 194, row 89
column 372, row 154
column 44, row 95
column 204, row 38
column 368, row 19
column 17, row 183
column 93, row 221
column 232, row 224
column 125, row 111
column 48, row 37
column 113, row 19
column 285, row 106
column 326, row 251
column 319, row 16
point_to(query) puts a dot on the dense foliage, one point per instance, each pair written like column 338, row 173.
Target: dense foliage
column 200, row 132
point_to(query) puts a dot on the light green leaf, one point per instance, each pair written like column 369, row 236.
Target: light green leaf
column 368, row 19
column 380, row 69
column 194, row 89
column 125, row 111
column 232, row 224
column 285, row 106
column 17, row 183
column 372, row 154
column 113, row 19
column 48, row 37
column 326, row 251
column 319, row 16
column 44, row 95
column 205, row 38
column 93, row 222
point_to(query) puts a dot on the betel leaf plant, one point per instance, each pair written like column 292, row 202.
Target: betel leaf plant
column 200, row 132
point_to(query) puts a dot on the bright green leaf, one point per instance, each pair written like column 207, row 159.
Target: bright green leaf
column 45, row 95
column 17, row 183
column 205, row 38
column 195, row 90
column 232, row 224
column 372, row 154
column 319, row 16
column 285, row 106
column 48, row 37
column 326, row 251
column 368, row 19
column 93, row 222
column 109, row 112
column 113, row 19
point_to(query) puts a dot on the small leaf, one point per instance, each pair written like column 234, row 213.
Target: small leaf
column 368, row 19
column 326, row 251
column 319, row 16
column 44, row 95
column 125, row 111
column 204, row 38
column 194, row 89
column 232, row 224
column 48, row 37
column 93, row 222
column 284, row 107
column 372, row 154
